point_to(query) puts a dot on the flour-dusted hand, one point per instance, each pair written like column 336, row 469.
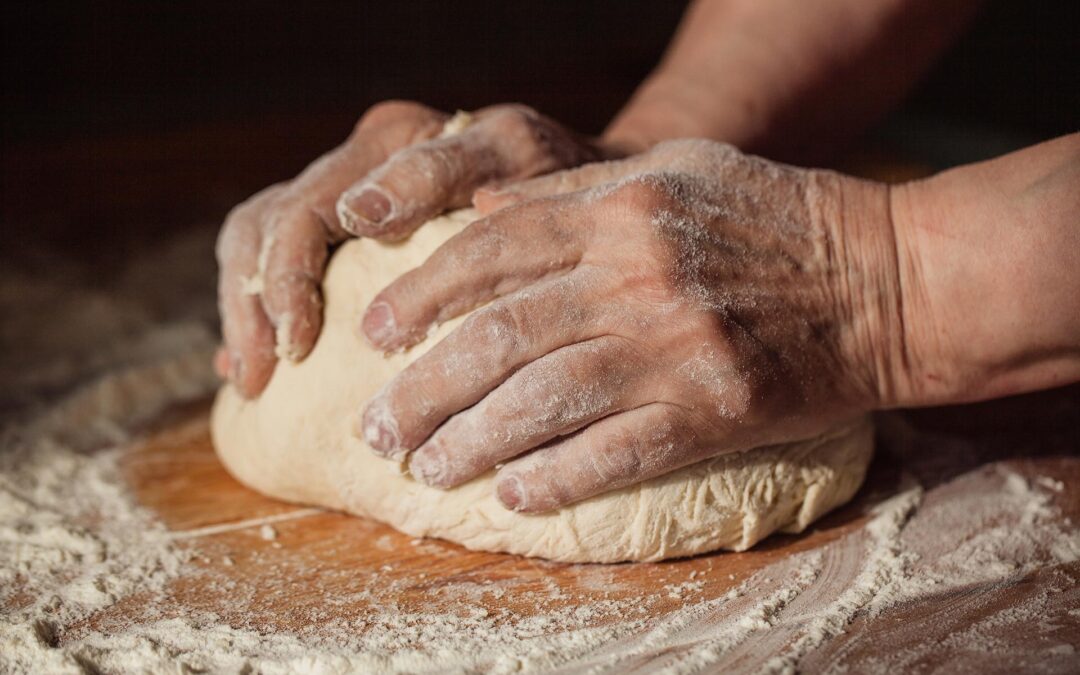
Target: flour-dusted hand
column 402, row 165
column 644, row 314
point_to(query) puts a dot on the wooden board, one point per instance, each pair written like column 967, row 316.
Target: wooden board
column 321, row 566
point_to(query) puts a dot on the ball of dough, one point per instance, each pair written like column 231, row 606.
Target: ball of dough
column 295, row 442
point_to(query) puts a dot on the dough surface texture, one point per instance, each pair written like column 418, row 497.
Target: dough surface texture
column 295, row 442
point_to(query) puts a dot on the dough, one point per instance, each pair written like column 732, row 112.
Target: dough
column 295, row 442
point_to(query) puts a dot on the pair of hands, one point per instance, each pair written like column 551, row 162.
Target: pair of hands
column 636, row 315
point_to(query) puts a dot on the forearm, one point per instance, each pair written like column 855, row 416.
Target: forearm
column 787, row 78
column 989, row 269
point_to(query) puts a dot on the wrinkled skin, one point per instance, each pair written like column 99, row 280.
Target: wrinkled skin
column 637, row 316
column 402, row 165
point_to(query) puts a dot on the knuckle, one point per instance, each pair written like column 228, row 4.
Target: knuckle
column 284, row 283
column 533, row 144
column 672, row 146
column 679, row 431
column 490, row 237
column 619, row 457
column 303, row 222
column 682, row 147
column 673, row 426
column 529, row 143
column 514, row 121
column 482, row 240
column 498, row 321
column 691, row 152
column 251, row 206
column 584, row 383
column 665, row 153
column 419, row 415
column 647, row 195
column 243, row 220
column 234, row 236
column 553, row 487
column 241, row 211
column 428, row 160
column 390, row 111
column 604, row 360
column 324, row 217
column 429, row 169
column 503, row 328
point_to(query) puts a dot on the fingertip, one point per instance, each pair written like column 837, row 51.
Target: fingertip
column 296, row 333
column 510, row 490
column 250, row 373
column 379, row 325
column 378, row 428
column 285, row 346
column 429, row 464
column 365, row 210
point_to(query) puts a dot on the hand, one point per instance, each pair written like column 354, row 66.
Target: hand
column 647, row 313
column 402, row 165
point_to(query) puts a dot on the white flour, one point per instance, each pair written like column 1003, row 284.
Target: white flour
column 71, row 540
column 74, row 543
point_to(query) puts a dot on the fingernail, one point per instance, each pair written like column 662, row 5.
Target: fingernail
column 370, row 205
column 379, row 323
column 429, row 466
column 511, row 493
column 380, row 429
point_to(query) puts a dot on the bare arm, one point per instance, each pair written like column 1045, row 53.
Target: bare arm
column 989, row 266
column 787, row 78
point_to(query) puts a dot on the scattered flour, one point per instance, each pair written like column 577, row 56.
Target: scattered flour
column 71, row 540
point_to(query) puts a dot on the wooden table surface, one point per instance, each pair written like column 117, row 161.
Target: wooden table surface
column 319, row 566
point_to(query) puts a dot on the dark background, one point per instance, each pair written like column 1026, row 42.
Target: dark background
column 79, row 68
column 104, row 102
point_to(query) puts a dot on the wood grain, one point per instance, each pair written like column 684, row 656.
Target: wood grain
column 323, row 566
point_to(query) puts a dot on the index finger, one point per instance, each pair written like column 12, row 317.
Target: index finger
column 416, row 184
column 488, row 259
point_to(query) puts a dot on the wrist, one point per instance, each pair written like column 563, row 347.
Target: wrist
column 987, row 256
column 860, row 247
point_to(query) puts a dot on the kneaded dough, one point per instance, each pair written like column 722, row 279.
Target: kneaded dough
column 295, row 442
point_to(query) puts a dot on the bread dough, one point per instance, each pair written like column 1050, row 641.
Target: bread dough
column 295, row 442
